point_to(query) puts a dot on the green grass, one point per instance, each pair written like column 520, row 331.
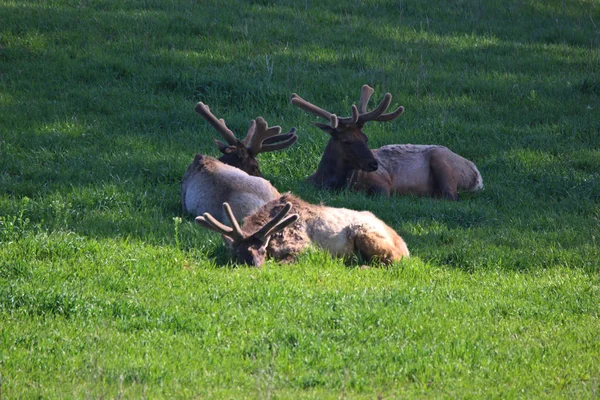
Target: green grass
column 105, row 293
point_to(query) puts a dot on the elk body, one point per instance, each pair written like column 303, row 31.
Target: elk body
column 234, row 177
column 269, row 232
column 423, row 170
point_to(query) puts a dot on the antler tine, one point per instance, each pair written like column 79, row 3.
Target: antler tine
column 280, row 138
column 365, row 96
column 234, row 223
column 209, row 222
column 287, row 221
column 311, row 108
column 218, row 124
column 250, row 133
column 279, row 142
column 376, row 113
column 350, row 120
column 274, row 224
column 333, row 121
column 391, row 116
column 262, row 132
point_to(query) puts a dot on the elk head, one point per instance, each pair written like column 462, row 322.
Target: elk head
column 248, row 249
column 348, row 142
column 259, row 139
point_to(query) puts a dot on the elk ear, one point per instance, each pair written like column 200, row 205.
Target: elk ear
column 222, row 146
column 325, row 128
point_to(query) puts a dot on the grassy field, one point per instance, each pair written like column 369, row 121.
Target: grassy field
column 108, row 291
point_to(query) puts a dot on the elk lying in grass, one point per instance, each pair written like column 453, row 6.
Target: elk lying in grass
column 423, row 170
column 235, row 177
column 339, row 230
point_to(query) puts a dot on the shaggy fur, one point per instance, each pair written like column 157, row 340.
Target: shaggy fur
column 340, row 231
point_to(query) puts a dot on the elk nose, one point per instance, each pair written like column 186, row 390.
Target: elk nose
column 373, row 165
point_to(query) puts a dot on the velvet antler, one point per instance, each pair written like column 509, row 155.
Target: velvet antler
column 359, row 114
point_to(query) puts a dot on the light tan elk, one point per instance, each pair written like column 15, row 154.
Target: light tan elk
column 209, row 182
column 339, row 230
column 423, row 170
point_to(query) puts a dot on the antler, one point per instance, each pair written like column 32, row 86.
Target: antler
column 277, row 223
column 234, row 232
column 218, row 124
column 378, row 113
column 261, row 139
column 365, row 95
column 359, row 114
column 311, row 108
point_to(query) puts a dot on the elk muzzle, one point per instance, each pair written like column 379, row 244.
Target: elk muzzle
column 371, row 166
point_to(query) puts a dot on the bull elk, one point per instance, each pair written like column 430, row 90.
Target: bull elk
column 242, row 153
column 234, row 177
column 423, row 170
column 340, row 231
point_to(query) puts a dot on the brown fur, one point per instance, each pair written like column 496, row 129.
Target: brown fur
column 341, row 231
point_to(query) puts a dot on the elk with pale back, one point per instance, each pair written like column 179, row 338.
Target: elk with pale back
column 340, row 231
column 235, row 178
column 423, row 170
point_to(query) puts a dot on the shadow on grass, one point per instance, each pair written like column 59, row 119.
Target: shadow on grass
column 107, row 127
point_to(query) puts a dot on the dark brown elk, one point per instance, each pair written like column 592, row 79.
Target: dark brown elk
column 242, row 153
column 423, row 170
column 340, row 231
column 235, row 178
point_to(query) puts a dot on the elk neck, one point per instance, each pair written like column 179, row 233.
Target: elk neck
column 334, row 170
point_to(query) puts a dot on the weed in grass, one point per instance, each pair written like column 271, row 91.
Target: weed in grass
column 13, row 227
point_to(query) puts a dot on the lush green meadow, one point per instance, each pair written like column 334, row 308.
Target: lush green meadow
column 108, row 291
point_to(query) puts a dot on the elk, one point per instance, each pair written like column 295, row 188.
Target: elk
column 242, row 153
column 235, row 177
column 340, row 231
column 423, row 170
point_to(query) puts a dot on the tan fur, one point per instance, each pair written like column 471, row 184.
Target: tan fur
column 341, row 231
column 208, row 183
column 423, row 170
